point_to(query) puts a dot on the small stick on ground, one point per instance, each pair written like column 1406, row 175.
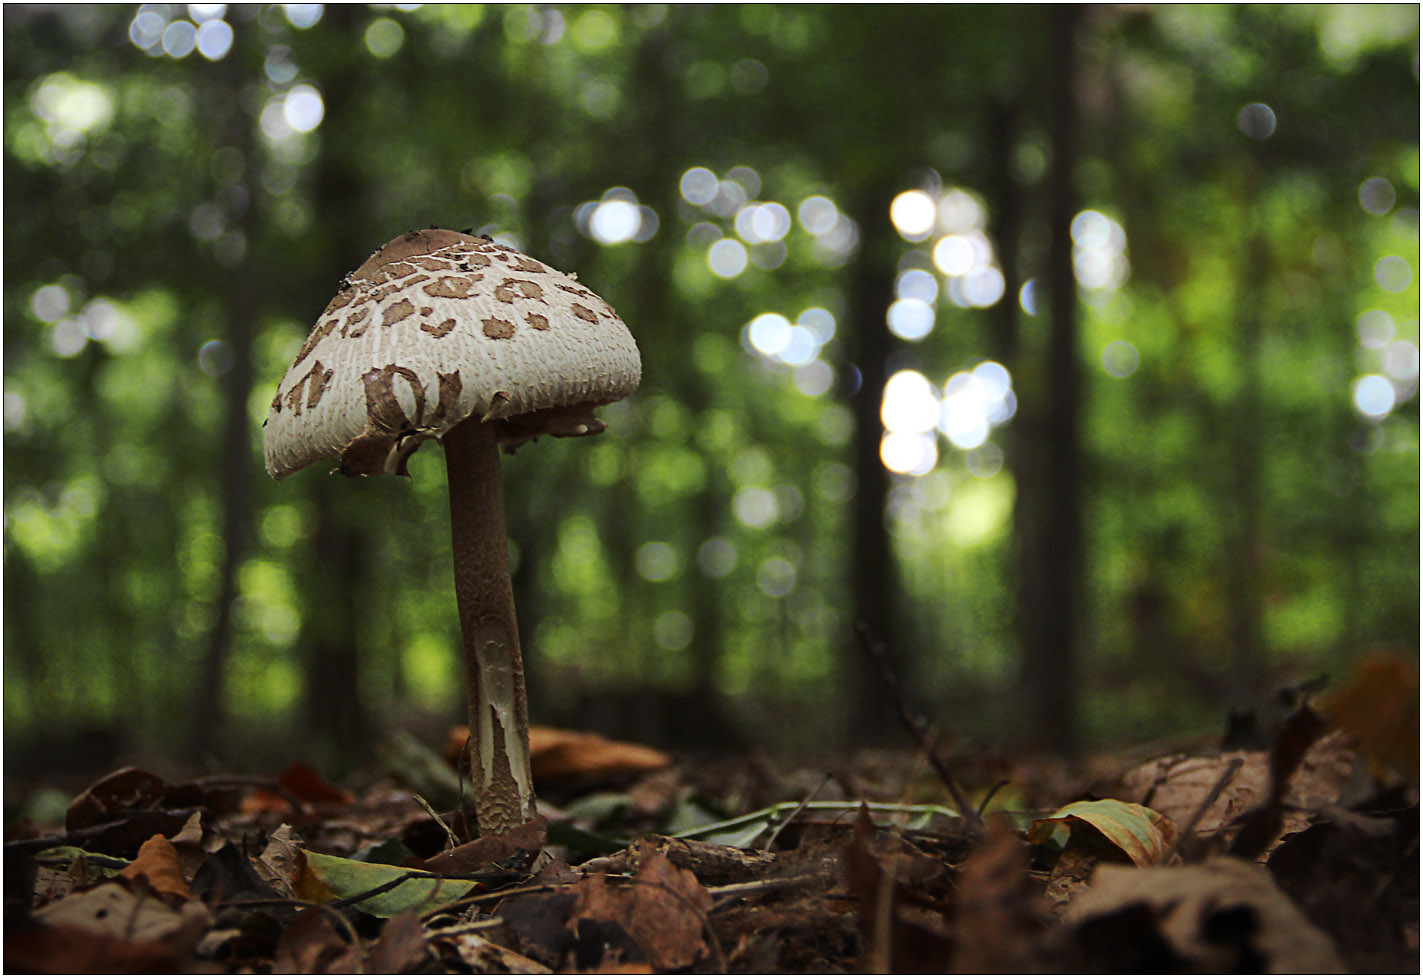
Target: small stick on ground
column 875, row 649
column 1190, row 827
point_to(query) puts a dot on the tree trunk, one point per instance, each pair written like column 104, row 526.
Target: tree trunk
column 873, row 573
column 1049, row 491
column 335, row 718
column 234, row 461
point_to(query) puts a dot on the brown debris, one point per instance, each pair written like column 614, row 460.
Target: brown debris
column 160, row 877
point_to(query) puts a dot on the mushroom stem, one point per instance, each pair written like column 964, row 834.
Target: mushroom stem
column 494, row 667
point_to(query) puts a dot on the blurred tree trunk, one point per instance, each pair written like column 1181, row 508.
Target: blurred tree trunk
column 332, row 712
column 1244, row 550
column 333, row 718
column 241, row 291
column 874, row 577
column 1048, row 512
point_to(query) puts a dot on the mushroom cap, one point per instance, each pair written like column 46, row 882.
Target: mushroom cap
column 437, row 327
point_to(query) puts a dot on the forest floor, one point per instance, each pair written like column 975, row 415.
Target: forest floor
column 1297, row 852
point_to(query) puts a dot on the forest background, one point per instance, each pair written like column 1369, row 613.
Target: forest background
column 1072, row 351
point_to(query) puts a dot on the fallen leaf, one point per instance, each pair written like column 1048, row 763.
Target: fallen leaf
column 127, row 789
column 280, row 861
column 67, row 950
column 481, row 956
column 325, row 878
column 310, row 944
column 518, row 845
column 1357, row 877
column 664, row 911
column 1379, row 707
column 560, row 754
column 1176, row 786
column 228, row 876
column 1224, row 916
column 1144, row 835
column 112, row 909
column 157, row 862
column 400, row 947
column 556, row 754
column 1291, row 743
column 998, row 912
column 899, row 932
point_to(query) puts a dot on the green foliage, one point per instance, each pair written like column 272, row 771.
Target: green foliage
column 166, row 215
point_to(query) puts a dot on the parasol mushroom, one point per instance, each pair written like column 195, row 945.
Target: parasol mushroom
column 448, row 336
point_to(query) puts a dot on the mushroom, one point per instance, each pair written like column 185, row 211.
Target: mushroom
column 449, row 336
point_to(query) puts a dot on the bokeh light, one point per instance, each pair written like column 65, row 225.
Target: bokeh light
column 1376, row 195
column 1098, row 251
column 303, row 15
column 673, row 630
column 214, row 39
column 755, row 507
column 1120, row 358
column 1393, row 273
column 817, row 214
column 910, row 319
column 717, row 557
column 954, row 255
column 384, row 37
column 1375, row 328
column 973, row 402
column 913, row 213
column 698, row 186
column 656, row 561
column 727, row 258
column 758, row 223
column 303, row 108
column 910, row 403
column 1374, row 396
column 909, row 452
column 1400, row 361
column 1256, row 120
column 615, row 221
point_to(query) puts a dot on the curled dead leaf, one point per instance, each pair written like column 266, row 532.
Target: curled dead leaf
column 157, row 863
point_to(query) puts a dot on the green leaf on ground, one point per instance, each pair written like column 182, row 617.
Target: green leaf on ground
column 1144, row 835
column 334, row 878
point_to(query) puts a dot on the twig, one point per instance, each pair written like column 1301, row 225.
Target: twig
column 1190, row 827
column 771, row 840
column 991, row 792
column 327, row 908
column 875, row 649
column 449, row 833
column 738, row 890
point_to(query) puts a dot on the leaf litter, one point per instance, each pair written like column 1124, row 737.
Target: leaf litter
column 1299, row 857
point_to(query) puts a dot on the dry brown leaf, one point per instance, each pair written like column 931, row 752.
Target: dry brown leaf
column 158, row 863
column 114, row 910
column 482, row 956
column 69, row 950
column 1225, row 916
column 556, row 754
column 127, row 789
column 520, row 843
column 1176, row 786
column 1379, row 707
column 400, row 948
column 664, row 911
column 281, row 862
column 188, row 842
column 998, row 910
column 311, row 945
